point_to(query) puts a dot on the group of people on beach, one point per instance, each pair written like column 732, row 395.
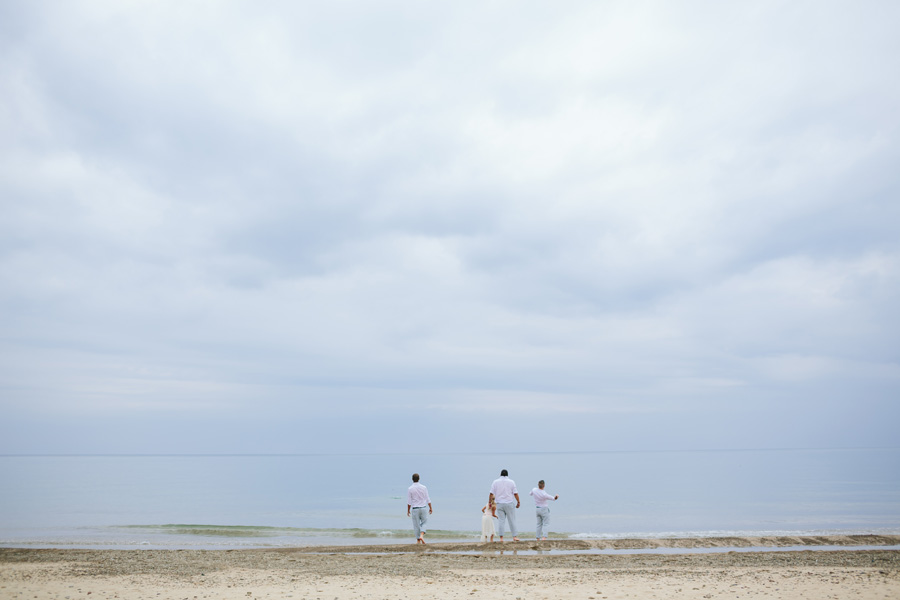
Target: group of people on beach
column 502, row 503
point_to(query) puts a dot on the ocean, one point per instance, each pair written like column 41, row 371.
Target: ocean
column 258, row 501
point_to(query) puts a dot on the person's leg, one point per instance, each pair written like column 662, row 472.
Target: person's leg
column 419, row 516
column 546, row 522
column 543, row 523
column 512, row 522
column 417, row 526
column 423, row 512
column 501, row 516
column 538, row 529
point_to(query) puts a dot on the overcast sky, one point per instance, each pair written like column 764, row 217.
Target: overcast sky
column 408, row 226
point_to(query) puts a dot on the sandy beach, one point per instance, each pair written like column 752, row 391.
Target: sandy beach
column 852, row 567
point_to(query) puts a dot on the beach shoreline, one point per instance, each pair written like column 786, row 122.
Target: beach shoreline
column 525, row 570
column 624, row 544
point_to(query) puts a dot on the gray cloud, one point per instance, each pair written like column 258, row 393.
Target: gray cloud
column 675, row 222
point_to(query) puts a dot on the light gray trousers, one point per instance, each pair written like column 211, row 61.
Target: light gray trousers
column 507, row 511
column 419, row 516
column 543, row 521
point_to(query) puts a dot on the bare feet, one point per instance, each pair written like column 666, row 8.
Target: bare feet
column 515, row 539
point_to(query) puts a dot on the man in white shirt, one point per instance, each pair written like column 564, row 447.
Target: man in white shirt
column 503, row 492
column 541, row 498
column 416, row 500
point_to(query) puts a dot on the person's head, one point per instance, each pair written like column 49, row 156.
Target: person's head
column 504, row 473
column 541, row 484
column 415, row 477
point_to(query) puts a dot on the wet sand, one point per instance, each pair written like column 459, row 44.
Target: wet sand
column 514, row 571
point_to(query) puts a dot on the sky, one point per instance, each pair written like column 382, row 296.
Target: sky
column 349, row 226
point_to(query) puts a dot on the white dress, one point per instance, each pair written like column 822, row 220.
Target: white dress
column 487, row 524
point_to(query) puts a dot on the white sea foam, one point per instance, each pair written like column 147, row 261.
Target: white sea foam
column 645, row 535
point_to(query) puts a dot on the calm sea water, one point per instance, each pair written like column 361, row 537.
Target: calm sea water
column 263, row 501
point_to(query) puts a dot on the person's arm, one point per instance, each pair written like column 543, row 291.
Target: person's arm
column 408, row 506
column 429, row 507
column 517, row 499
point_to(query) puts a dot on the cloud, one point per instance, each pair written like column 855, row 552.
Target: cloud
column 607, row 211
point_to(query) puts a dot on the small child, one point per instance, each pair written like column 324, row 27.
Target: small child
column 487, row 520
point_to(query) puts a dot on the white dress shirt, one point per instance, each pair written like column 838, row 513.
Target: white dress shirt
column 540, row 497
column 504, row 490
column 417, row 495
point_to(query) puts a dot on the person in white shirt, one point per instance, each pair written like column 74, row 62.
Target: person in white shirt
column 503, row 492
column 416, row 500
column 541, row 498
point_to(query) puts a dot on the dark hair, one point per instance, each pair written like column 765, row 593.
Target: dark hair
column 504, row 473
column 541, row 482
column 415, row 477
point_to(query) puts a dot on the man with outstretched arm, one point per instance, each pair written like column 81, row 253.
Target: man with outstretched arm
column 541, row 498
